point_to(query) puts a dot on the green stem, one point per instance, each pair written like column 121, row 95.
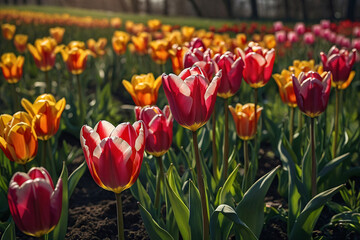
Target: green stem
column 43, row 160
column 25, row 168
column 300, row 122
column 291, row 127
column 120, row 218
column 15, row 97
column 201, row 188
column 214, row 149
column 51, row 157
column 246, row 158
column 255, row 116
column 48, row 82
column 81, row 104
column 226, row 138
column 336, row 121
column 159, row 179
column 313, row 159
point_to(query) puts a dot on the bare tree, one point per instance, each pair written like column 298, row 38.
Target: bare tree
column 166, row 7
column 350, row 9
column 148, row 6
column 304, row 10
column 123, row 5
column 254, row 10
column 135, row 6
column 196, row 8
column 229, row 7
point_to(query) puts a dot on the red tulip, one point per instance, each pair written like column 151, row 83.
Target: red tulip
column 259, row 64
column 197, row 43
column 114, row 155
column 191, row 96
column 208, row 65
column 312, row 92
column 232, row 72
column 192, row 56
column 339, row 62
column 35, row 204
column 159, row 128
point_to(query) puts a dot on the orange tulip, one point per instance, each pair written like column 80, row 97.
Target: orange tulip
column 8, row 30
column 120, row 41
column 12, row 67
column 159, row 51
column 269, row 41
column 44, row 52
column 240, row 40
column 166, row 28
column 97, row 47
column 129, row 26
column 187, row 32
column 46, row 114
column 115, row 22
column 143, row 89
column 141, row 42
column 177, row 54
column 75, row 57
column 57, row 33
column 18, row 139
column 303, row 66
column 20, row 41
column 154, row 24
column 286, row 89
column 244, row 118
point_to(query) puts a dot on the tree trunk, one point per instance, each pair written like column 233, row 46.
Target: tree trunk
column 287, row 9
column 196, row 8
column 148, row 6
column 166, row 7
column 331, row 9
column 350, row 10
column 228, row 6
column 123, row 5
column 254, row 12
column 304, row 10
column 135, row 6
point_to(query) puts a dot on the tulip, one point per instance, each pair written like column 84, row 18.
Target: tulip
column 177, row 54
column 193, row 55
column 8, row 30
column 75, row 56
column 339, row 62
column 192, row 97
column 241, row 40
column 280, row 36
column 312, row 92
column 325, row 23
column 159, row 51
column 197, row 43
column 141, row 42
column 115, row 22
column 309, row 38
column 278, row 26
column 143, row 89
column 187, row 32
column 120, row 41
column 292, row 37
column 18, row 139
column 299, row 28
column 166, row 28
column 246, row 124
column 316, row 29
column 154, row 24
column 57, row 33
column 46, row 114
column 114, row 157
column 20, row 41
column 12, row 67
column 44, row 53
column 303, row 66
column 34, row 203
column 97, row 47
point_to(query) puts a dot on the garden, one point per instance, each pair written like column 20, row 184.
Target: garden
column 123, row 126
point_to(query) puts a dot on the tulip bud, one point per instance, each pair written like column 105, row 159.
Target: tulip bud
column 286, row 89
column 20, row 41
column 8, row 30
column 44, row 53
column 57, row 33
column 12, row 67
column 34, row 203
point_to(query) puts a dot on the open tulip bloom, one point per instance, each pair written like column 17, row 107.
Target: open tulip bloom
column 35, row 204
column 114, row 156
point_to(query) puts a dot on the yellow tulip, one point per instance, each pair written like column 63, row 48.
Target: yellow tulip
column 159, row 51
column 12, row 67
column 286, row 88
column 97, row 47
column 8, row 30
column 154, row 24
column 120, row 41
column 75, row 56
column 20, row 41
column 57, row 33
column 141, row 42
column 46, row 114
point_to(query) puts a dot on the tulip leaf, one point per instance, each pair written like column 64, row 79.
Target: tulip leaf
column 306, row 170
column 9, row 233
column 251, row 207
column 139, row 192
column 181, row 212
column 240, row 226
column 153, row 229
column 327, row 169
column 75, row 177
column 195, row 220
column 224, row 195
column 60, row 230
column 304, row 224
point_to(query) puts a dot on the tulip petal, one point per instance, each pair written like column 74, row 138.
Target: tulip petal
column 104, row 129
column 28, row 107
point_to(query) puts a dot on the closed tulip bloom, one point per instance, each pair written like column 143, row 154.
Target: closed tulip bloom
column 193, row 55
column 232, row 73
column 18, row 138
column 159, row 51
column 12, row 67
column 312, row 92
column 154, row 25
column 177, row 54
column 44, row 53
column 187, row 32
column 292, row 37
column 46, row 114
column 114, row 154
column 299, row 28
column 309, row 38
column 278, row 26
column 141, row 42
column 57, row 33
column 35, row 204
column 244, row 118
column 286, row 89
column 120, row 41
column 8, row 30
column 143, row 89
column 303, row 66
column 280, row 36
column 115, row 22
column 340, row 63
column 75, row 56
column 97, row 47
column 191, row 96
column 259, row 64
column 20, row 41
column 159, row 128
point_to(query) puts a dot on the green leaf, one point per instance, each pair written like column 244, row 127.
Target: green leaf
column 350, row 217
column 306, row 169
column 306, row 221
column 75, row 177
column 60, row 230
column 181, row 212
column 225, row 194
column 139, row 192
column 230, row 214
column 195, row 220
column 331, row 166
column 153, row 229
column 9, row 233
column 251, row 207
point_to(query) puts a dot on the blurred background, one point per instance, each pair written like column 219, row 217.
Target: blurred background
column 288, row 10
